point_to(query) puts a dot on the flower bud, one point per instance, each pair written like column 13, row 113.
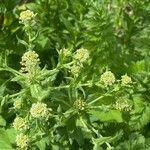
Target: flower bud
column 81, row 55
column 122, row 104
column 19, row 124
column 125, row 80
column 26, row 17
column 22, row 140
column 107, row 78
column 30, row 61
column 39, row 110
column 80, row 104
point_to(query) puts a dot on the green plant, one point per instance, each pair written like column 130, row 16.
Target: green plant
column 82, row 77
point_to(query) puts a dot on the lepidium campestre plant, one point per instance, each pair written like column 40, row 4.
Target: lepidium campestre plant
column 55, row 108
column 79, row 100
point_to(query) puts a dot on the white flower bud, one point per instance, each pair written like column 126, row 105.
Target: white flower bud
column 81, row 55
column 122, row 104
column 80, row 104
column 39, row 110
column 19, row 124
column 22, row 140
column 26, row 17
column 30, row 61
column 107, row 78
column 125, row 80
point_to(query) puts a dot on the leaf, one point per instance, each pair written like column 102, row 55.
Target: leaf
column 2, row 121
column 41, row 144
column 138, row 66
column 99, row 141
column 140, row 113
column 112, row 115
column 11, row 134
column 8, row 19
column 22, row 41
column 2, row 88
column 6, row 139
column 43, row 41
column 136, row 141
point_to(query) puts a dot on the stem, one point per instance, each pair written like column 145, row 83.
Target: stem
column 106, row 142
column 67, row 86
column 94, row 107
column 67, row 65
column 85, row 84
column 98, row 134
column 60, row 87
column 68, row 112
column 84, row 124
column 11, row 70
column 16, row 94
column 96, row 100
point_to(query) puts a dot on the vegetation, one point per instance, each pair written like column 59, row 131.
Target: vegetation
column 74, row 75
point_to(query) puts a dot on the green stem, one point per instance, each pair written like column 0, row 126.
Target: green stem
column 67, row 86
column 11, row 70
column 98, row 134
column 84, row 124
column 94, row 107
column 97, row 99
column 16, row 94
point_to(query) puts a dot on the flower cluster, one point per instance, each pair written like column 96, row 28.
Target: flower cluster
column 17, row 103
column 125, row 80
column 22, row 140
column 81, row 55
column 39, row 110
column 65, row 52
column 75, row 70
column 19, row 124
column 26, row 17
column 80, row 104
column 122, row 104
column 30, row 61
column 107, row 78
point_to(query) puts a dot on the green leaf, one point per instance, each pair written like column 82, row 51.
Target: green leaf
column 22, row 41
column 11, row 134
column 6, row 139
column 42, row 41
column 112, row 115
column 136, row 141
column 41, row 144
column 138, row 66
column 2, row 121
column 99, row 141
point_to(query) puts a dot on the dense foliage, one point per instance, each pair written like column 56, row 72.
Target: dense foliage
column 74, row 74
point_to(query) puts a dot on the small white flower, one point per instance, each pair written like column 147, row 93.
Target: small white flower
column 81, row 55
column 30, row 61
column 19, row 124
column 80, row 104
column 66, row 52
column 17, row 103
column 125, row 80
column 107, row 78
column 22, row 140
column 39, row 110
column 122, row 104
column 75, row 70
column 26, row 16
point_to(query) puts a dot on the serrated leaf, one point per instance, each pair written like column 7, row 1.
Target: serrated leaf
column 112, row 115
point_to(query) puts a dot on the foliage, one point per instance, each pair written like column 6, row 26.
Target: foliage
column 74, row 75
